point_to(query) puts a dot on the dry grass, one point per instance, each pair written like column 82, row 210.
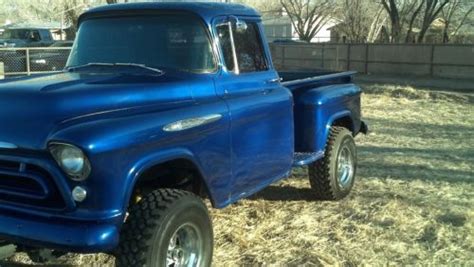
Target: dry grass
column 412, row 204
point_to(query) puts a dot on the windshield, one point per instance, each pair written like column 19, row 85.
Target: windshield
column 160, row 41
column 15, row 34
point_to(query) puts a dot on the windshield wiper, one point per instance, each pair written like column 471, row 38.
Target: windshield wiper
column 99, row 64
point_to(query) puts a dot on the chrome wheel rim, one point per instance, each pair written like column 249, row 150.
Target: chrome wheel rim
column 185, row 247
column 345, row 167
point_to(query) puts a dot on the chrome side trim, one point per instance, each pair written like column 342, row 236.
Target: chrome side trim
column 191, row 123
column 6, row 145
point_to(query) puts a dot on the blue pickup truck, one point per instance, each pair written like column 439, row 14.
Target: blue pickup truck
column 162, row 105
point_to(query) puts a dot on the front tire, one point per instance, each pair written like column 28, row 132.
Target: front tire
column 166, row 228
column 332, row 177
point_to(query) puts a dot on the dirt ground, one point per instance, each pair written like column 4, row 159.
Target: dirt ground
column 413, row 202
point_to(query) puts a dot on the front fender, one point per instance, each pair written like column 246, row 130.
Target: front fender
column 155, row 159
column 121, row 148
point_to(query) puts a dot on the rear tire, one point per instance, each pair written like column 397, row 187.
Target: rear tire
column 332, row 177
column 166, row 228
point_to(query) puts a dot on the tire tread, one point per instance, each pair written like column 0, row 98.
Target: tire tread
column 319, row 171
column 135, row 238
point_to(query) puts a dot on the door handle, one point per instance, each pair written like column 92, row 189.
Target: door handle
column 276, row 80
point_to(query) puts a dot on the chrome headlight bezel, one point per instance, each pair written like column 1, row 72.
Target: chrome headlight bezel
column 71, row 159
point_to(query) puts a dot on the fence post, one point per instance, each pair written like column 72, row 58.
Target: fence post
column 2, row 71
column 322, row 55
column 366, row 58
column 28, row 70
column 432, row 60
column 283, row 56
column 348, row 57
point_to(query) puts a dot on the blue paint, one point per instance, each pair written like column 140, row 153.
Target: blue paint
column 117, row 119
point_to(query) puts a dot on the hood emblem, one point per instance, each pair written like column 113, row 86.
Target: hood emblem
column 7, row 145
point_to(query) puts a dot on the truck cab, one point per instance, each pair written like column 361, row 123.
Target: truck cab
column 160, row 106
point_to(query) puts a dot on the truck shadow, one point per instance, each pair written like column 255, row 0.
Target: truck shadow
column 375, row 163
column 284, row 193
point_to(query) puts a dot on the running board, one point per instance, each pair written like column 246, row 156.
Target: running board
column 305, row 158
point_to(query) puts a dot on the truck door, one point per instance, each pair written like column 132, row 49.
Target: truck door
column 261, row 109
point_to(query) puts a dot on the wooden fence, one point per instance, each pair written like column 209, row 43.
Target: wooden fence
column 437, row 60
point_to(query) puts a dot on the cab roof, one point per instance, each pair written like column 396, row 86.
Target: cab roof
column 205, row 10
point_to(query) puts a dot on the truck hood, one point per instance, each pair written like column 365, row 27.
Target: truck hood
column 34, row 108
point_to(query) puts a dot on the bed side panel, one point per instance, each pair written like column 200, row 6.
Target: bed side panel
column 316, row 110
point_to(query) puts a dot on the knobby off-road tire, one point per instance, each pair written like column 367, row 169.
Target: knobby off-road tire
column 167, row 227
column 332, row 177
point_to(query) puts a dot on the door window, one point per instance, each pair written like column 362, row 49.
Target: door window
column 248, row 47
column 34, row 36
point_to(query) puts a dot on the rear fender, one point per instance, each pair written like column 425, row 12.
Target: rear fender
column 318, row 109
column 344, row 114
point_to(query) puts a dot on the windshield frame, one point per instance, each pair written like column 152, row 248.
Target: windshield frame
column 154, row 13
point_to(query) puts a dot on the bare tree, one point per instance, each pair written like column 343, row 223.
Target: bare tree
column 33, row 12
column 417, row 6
column 392, row 8
column 355, row 20
column 432, row 10
column 72, row 10
column 267, row 7
column 456, row 12
column 308, row 16
column 376, row 25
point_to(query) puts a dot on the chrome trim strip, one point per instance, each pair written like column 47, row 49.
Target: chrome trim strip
column 6, row 145
column 234, row 50
column 191, row 123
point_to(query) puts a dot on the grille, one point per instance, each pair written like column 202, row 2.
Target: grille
column 28, row 185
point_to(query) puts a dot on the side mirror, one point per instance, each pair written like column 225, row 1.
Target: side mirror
column 239, row 25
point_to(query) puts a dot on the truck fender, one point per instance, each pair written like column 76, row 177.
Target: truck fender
column 158, row 158
column 336, row 116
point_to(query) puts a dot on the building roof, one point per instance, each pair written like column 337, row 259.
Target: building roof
column 205, row 10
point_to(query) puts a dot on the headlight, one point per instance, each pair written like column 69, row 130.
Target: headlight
column 72, row 160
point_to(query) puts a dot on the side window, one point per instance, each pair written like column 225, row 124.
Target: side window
column 248, row 46
column 34, row 36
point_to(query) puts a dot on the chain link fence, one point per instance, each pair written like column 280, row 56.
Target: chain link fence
column 26, row 61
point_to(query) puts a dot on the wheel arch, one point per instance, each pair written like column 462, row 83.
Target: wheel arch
column 165, row 159
column 342, row 118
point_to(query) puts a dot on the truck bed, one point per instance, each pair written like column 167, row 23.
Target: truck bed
column 321, row 99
